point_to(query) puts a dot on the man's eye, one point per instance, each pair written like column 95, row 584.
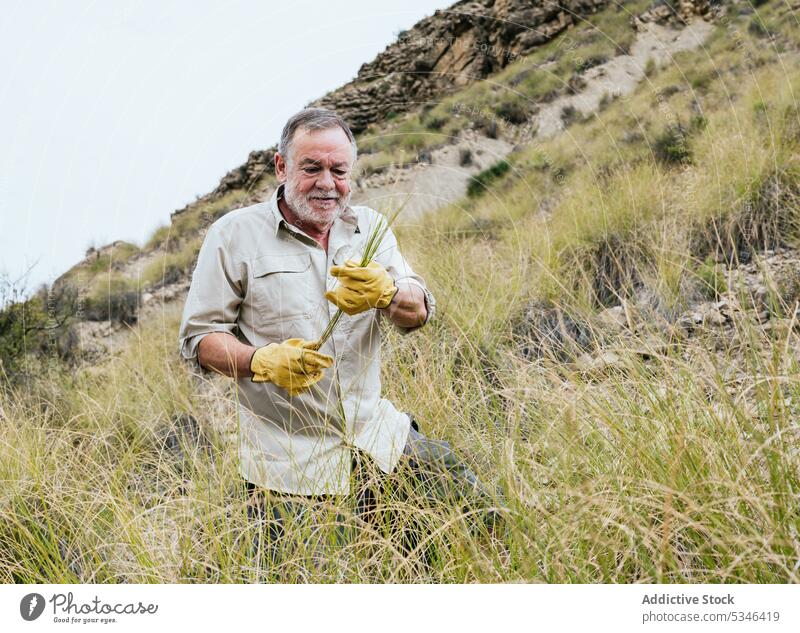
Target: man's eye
column 340, row 172
column 311, row 170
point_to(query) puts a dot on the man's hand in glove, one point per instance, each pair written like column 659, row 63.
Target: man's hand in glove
column 294, row 364
column 361, row 288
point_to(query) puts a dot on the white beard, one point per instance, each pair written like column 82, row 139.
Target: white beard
column 301, row 205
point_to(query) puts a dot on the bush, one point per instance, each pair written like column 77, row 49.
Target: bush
column 37, row 326
column 487, row 126
column 158, row 238
column 480, row 182
column 514, row 112
column 113, row 299
column 436, row 123
column 162, row 272
column 758, row 28
column 570, row 114
column 671, row 146
column 582, row 65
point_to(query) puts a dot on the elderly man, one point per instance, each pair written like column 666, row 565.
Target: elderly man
column 269, row 278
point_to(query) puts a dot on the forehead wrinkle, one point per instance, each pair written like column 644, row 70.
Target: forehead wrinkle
column 327, row 159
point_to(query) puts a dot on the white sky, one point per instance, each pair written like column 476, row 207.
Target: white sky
column 114, row 114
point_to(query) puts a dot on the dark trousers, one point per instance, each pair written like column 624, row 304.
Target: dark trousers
column 429, row 473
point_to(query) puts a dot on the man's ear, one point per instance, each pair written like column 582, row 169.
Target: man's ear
column 280, row 168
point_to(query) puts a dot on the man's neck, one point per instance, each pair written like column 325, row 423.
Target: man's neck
column 318, row 233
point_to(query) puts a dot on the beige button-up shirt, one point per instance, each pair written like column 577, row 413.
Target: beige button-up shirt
column 264, row 281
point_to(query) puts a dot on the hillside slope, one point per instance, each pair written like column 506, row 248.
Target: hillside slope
column 426, row 158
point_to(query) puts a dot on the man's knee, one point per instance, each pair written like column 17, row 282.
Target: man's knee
column 437, row 465
column 428, row 453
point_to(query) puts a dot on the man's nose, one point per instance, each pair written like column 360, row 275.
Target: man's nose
column 325, row 180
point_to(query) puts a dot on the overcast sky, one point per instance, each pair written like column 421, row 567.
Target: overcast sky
column 114, row 114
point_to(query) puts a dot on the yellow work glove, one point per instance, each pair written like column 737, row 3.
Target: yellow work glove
column 361, row 288
column 294, row 364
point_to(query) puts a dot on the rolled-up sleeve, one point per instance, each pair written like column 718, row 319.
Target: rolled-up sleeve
column 215, row 294
column 392, row 260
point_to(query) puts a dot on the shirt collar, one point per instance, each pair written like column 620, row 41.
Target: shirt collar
column 348, row 216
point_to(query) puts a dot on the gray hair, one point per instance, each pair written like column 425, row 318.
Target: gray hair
column 312, row 119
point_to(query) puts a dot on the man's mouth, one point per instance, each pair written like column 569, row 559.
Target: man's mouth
column 324, row 202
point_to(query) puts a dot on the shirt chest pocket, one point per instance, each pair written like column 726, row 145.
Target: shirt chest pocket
column 281, row 287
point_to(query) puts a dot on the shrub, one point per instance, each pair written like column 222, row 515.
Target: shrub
column 158, row 238
column 480, row 182
column 162, row 272
column 114, row 298
column 671, row 147
column 436, row 123
column 169, row 268
column 700, row 78
column 584, row 64
column 487, row 126
column 116, row 255
column 758, row 28
column 38, row 325
column 570, row 114
column 514, row 111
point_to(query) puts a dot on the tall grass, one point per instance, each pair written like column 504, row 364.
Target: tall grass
column 677, row 461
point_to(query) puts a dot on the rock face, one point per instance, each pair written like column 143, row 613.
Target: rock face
column 448, row 51
column 244, row 177
column 452, row 48
column 676, row 13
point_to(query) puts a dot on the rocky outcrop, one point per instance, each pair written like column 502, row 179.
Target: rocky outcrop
column 452, row 48
column 761, row 297
column 445, row 52
column 440, row 54
column 676, row 12
column 243, row 178
column 259, row 163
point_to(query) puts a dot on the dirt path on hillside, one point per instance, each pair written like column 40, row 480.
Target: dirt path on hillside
column 434, row 184
column 621, row 75
column 444, row 180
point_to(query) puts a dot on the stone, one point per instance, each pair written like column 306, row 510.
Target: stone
column 715, row 317
column 651, row 346
column 613, row 319
column 605, row 361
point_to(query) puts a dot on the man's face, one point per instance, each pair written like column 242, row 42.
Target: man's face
column 317, row 175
